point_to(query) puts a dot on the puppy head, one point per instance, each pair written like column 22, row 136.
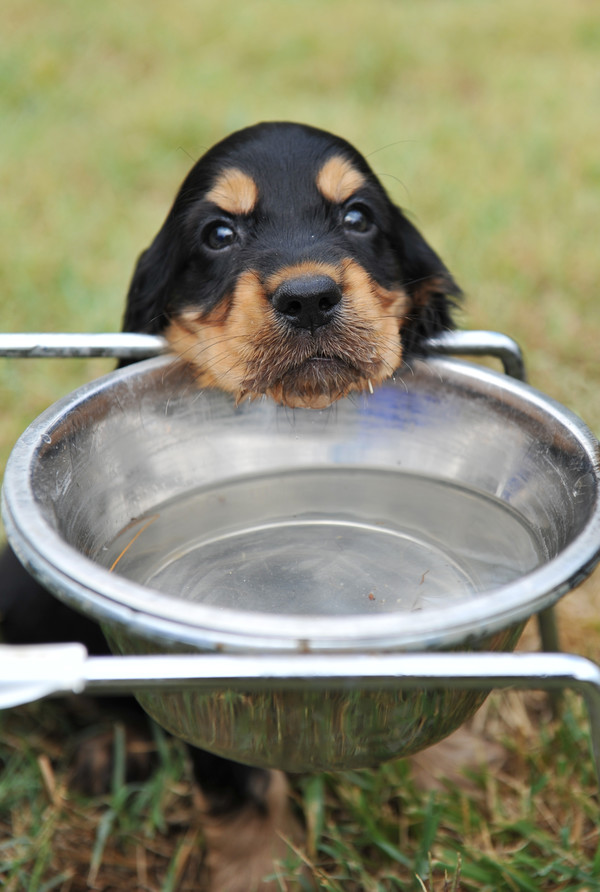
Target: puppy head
column 283, row 269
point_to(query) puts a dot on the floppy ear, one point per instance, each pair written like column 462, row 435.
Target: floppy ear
column 152, row 283
column 434, row 293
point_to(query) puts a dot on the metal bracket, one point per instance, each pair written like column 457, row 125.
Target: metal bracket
column 48, row 345
column 125, row 345
column 482, row 343
column 28, row 673
column 140, row 346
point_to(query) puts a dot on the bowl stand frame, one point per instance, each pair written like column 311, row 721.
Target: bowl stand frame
column 68, row 668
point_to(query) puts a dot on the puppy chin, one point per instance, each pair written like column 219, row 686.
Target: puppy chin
column 299, row 401
column 299, row 393
column 314, row 384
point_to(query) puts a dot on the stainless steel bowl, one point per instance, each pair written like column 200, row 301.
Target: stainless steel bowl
column 438, row 513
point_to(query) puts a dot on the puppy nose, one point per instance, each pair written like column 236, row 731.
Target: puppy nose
column 307, row 301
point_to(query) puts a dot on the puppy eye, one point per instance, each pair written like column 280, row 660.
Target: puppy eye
column 219, row 235
column 357, row 219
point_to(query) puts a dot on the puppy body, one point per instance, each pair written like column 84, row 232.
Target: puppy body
column 282, row 270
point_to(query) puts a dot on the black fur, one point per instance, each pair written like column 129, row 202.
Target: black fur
column 176, row 270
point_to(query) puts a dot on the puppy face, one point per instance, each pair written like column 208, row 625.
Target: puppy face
column 284, row 270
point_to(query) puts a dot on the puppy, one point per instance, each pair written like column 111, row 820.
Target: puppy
column 282, row 270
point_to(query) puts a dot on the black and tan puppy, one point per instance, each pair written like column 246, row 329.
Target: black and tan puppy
column 282, row 270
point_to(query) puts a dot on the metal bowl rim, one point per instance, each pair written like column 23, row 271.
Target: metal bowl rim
column 143, row 611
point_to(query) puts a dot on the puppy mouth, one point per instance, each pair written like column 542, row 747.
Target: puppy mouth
column 324, row 362
column 314, row 382
column 328, row 373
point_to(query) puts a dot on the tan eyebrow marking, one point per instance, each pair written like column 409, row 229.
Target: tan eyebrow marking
column 234, row 191
column 338, row 179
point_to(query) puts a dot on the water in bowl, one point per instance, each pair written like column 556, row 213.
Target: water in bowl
column 327, row 541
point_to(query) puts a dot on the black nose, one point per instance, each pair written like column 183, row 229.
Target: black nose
column 307, row 301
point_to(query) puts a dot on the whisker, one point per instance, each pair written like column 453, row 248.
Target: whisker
column 204, row 343
column 194, row 355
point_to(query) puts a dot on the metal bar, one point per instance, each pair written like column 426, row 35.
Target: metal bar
column 468, row 670
column 546, row 620
column 482, row 343
column 44, row 345
column 534, row 671
column 126, row 345
column 33, row 672
column 68, row 668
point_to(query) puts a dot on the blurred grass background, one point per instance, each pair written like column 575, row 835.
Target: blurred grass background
column 482, row 119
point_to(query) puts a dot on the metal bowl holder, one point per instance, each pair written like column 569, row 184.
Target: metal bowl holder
column 28, row 673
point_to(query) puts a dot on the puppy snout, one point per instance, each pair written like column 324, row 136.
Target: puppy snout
column 307, row 301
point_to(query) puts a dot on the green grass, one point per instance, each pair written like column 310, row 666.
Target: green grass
column 530, row 826
column 481, row 118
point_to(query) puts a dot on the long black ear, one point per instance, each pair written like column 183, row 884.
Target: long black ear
column 434, row 293
column 153, row 281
